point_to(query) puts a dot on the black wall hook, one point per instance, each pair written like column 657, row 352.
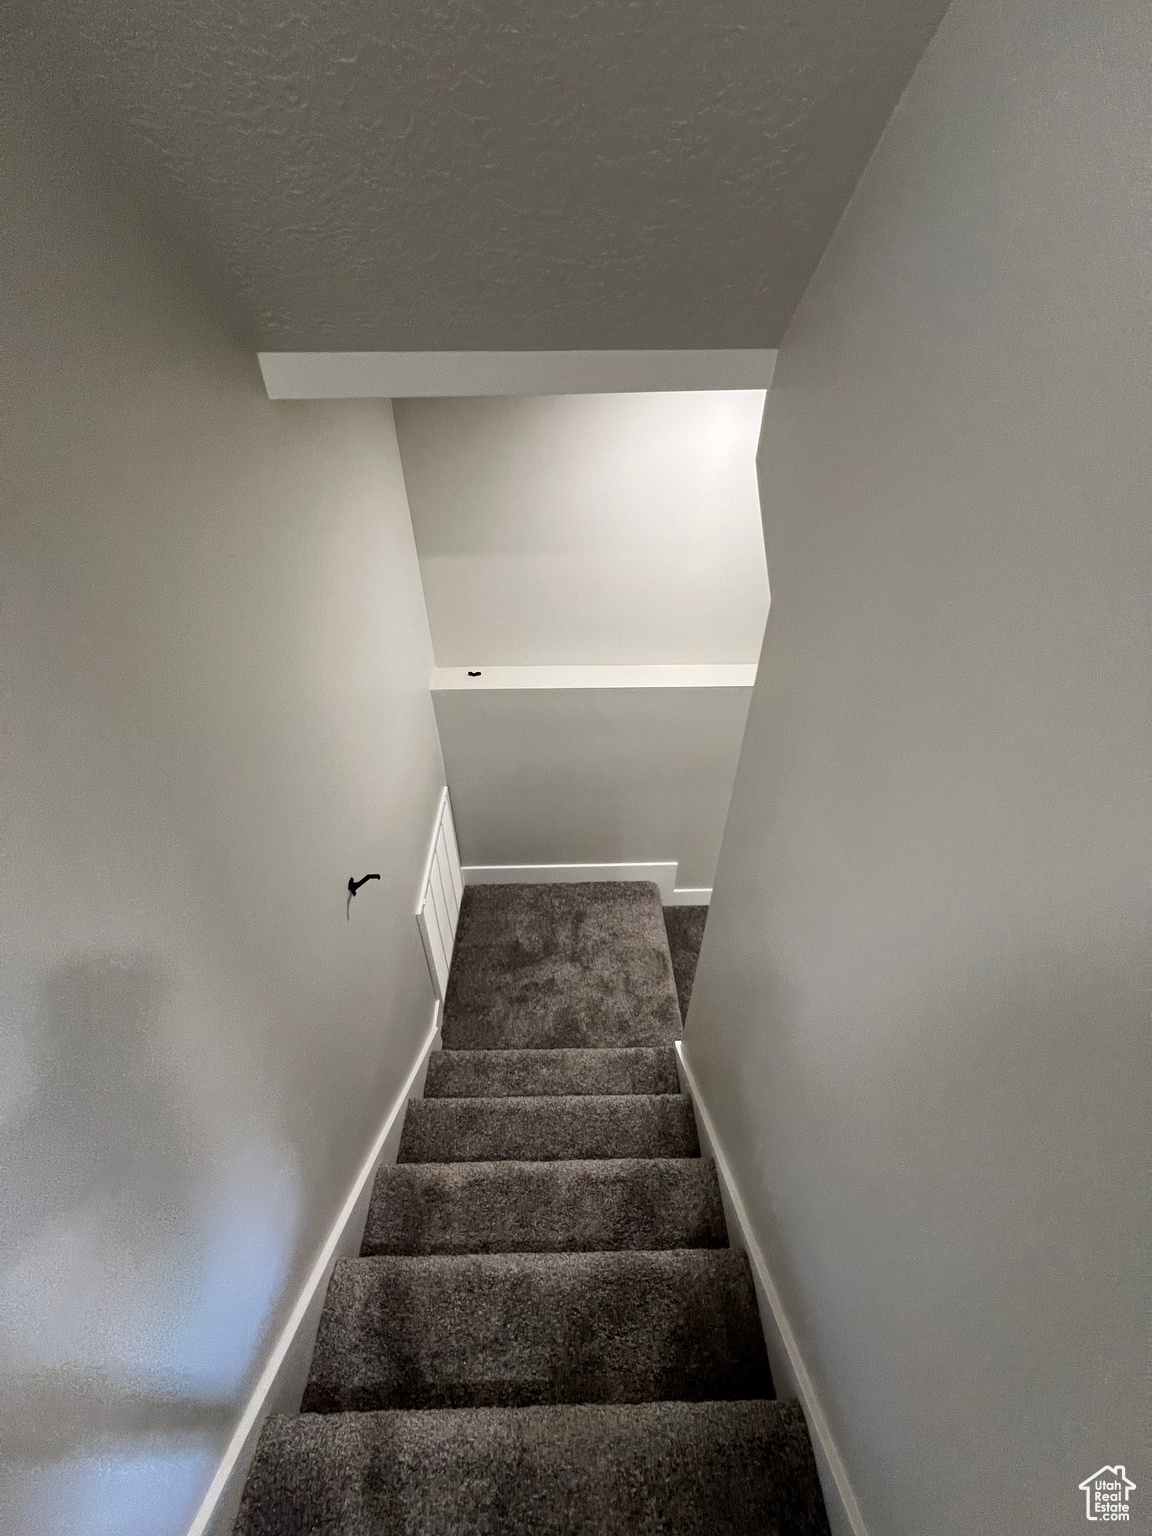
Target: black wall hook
column 353, row 887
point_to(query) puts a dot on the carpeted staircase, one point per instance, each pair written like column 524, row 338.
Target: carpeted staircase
column 546, row 1333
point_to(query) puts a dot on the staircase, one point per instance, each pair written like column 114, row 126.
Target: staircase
column 546, row 1333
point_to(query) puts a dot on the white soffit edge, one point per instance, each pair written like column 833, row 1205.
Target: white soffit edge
column 657, row 675
column 396, row 375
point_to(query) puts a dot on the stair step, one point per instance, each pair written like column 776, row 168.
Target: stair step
column 583, row 1206
column 539, row 966
column 542, row 1128
column 509, row 1330
column 642, row 1469
column 490, row 1074
column 567, row 1024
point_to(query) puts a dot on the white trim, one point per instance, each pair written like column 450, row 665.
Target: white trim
column 664, row 875
column 662, row 675
column 426, row 873
column 690, row 896
column 396, row 375
column 784, row 1354
column 438, row 909
column 282, row 1380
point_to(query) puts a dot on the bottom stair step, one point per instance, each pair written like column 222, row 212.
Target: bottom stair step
column 645, row 1469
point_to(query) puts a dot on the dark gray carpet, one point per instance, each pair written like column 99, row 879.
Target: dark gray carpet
column 506, row 1330
column 553, row 1207
column 641, row 1469
column 561, row 965
column 685, row 927
column 491, row 1074
column 528, row 1129
column 546, row 1324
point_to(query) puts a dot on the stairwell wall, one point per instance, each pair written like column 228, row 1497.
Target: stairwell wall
column 608, row 530
column 215, row 702
column 588, row 530
column 920, row 1018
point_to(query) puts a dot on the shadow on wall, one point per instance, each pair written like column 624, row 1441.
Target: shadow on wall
column 134, row 1290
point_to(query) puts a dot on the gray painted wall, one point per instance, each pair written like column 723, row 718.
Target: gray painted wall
column 215, row 709
column 588, row 530
column 921, row 1014
column 522, row 176
column 593, row 776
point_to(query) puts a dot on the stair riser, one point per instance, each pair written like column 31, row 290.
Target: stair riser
column 486, row 1074
column 535, row 1129
column 560, row 1029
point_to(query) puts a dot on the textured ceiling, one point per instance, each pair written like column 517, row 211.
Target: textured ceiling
column 513, row 174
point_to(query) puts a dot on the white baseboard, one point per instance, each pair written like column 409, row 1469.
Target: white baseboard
column 789, row 1371
column 663, row 875
column 281, row 1384
column 690, row 896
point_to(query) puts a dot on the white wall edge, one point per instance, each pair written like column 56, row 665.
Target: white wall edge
column 657, row 675
column 690, row 896
column 281, row 1383
column 396, row 375
column 427, row 873
column 663, row 875
column 784, row 1354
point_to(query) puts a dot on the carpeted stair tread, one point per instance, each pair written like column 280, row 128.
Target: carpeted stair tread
column 538, row 966
column 583, row 1206
column 547, row 1127
column 510, row 1330
column 643, row 1469
column 546, row 1326
column 489, row 1074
